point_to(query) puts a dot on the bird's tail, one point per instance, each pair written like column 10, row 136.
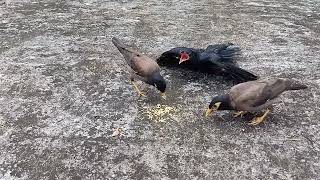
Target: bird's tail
column 295, row 85
column 239, row 74
column 230, row 52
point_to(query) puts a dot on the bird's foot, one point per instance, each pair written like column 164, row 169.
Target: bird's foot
column 141, row 94
column 257, row 120
column 137, row 89
column 239, row 113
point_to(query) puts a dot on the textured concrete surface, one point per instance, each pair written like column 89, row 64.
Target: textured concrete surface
column 64, row 88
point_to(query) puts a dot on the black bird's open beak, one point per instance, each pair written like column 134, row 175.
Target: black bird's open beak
column 184, row 57
column 211, row 110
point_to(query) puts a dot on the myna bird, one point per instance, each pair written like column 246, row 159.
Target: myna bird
column 253, row 96
column 142, row 67
column 216, row 59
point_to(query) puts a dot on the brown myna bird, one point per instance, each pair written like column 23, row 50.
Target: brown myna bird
column 142, row 67
column 253, row 96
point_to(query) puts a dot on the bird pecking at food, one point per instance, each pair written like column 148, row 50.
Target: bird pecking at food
column 142, row 68
column 253, row 96
column 216, row 59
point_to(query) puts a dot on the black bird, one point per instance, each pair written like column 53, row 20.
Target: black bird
column 216, row 59
column 253, row 96
column 142, row 67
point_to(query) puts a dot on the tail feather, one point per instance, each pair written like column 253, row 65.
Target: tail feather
column 295, row 85
column 239, row 74
column 235, row 72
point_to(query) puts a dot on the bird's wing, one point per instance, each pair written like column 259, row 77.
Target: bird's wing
column 254, row 94
column 216, row 48
column 229, row 70
column 274, row 87
column 247, row 95
column 140, row 63
column 144, row 66
column 223, row 53
column 223, row 63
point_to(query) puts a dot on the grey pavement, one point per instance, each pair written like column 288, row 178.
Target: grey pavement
column 64, row 88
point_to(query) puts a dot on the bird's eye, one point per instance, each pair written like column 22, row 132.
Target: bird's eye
column 138, row 55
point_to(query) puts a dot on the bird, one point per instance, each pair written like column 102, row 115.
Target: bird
column 142, row 68
column 253, row 96
column 216, row 59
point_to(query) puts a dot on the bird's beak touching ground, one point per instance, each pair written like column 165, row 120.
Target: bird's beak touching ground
column 184, row 57
column 163, row 95
column 210, row 110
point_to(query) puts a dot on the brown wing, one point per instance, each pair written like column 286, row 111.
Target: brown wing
column 143, row 65
column 246, row 94
column 256, row 93
column 140, row 63
column 274, row 88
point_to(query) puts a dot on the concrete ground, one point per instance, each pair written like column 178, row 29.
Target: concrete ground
column 64, row 88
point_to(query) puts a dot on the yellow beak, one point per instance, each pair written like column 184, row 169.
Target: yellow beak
column 217, row 105
column 163, row 95
column 209, row 111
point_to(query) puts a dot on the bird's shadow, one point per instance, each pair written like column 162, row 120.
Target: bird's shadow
column 227, row 122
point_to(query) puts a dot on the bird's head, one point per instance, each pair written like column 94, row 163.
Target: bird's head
column 158, row 81
column 177, row 55
column 221, row 102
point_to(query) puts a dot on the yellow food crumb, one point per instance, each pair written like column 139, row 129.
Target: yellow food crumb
column 160, row 113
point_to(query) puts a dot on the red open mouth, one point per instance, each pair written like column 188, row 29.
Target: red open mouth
column 184, row 57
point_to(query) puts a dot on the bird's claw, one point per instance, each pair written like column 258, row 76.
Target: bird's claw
column 141, row 94
column 137, row 89
column 257, row 120
column 239, row 113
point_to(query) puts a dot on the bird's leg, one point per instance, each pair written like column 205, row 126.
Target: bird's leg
column 134, row 76
column 258, row 120
column 137, row 88
column 239, row 113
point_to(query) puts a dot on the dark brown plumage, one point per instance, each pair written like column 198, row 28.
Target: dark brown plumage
column 253, row 96
column 142, row 67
